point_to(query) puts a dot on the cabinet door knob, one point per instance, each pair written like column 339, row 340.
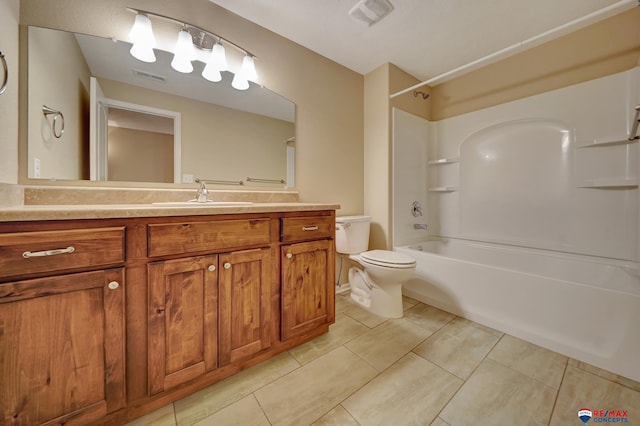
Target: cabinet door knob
column 211, row 268
column 113, row 285
column 227, row 265
column 289, row 255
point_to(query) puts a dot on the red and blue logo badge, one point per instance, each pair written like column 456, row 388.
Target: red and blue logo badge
column 585, row 415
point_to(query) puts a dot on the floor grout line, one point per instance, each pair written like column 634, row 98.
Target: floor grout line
column 464, row 381
column 555, row 400
column 261, row 408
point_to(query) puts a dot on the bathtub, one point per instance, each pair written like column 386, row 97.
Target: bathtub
column 587, row 308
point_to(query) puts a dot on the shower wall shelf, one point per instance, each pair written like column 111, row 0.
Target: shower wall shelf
column 443, row 189
column 448, row 160
column 610, row 183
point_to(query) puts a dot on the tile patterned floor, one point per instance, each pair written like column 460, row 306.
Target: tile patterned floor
column 428, row 368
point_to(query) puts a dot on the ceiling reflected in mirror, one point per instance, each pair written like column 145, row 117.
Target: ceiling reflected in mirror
column 111, row 59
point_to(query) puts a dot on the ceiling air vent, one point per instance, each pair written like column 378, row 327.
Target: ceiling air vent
column 149, row 76
column 371, row 11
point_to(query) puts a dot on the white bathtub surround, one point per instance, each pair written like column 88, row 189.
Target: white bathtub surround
column 536, row 210
column 553, row 171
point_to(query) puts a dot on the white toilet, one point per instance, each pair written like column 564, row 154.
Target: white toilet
column 379, row 287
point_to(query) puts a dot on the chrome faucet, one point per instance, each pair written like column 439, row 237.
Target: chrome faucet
column 420, row 226
column 202, row 195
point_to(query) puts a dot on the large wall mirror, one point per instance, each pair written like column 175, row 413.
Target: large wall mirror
column 127, row 120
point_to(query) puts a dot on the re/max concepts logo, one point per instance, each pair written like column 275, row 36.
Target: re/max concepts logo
column 603, row 416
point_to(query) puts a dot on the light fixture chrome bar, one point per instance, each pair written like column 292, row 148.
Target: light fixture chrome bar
column 191, row 27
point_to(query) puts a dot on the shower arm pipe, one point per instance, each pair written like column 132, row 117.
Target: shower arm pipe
column 610, row 10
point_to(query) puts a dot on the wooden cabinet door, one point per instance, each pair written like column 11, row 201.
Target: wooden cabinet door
column 62, row 348
column 244, row 303
column 308, row 295
column 183, row 299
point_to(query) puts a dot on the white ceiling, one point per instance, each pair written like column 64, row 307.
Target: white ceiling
column 423, row 37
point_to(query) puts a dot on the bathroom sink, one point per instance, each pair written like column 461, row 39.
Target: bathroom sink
column 196, row 204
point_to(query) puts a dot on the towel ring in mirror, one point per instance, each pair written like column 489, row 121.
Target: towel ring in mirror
column 47, row 111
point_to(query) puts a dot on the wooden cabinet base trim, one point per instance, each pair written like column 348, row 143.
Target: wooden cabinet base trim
column 86, row 416
column 189, row 373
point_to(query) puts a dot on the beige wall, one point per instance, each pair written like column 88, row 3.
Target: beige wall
column 58, row 58
column 9, row 18
column 328, row 97
column 217, row 143
column 140, row 156
column 376, row 154
column 379, row 84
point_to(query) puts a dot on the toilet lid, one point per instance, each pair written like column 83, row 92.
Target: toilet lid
column 391, row 259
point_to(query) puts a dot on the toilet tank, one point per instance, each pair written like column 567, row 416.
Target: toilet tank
column 352, row 234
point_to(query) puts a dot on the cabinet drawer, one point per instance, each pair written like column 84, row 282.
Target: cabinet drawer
column 28, row 253
column 306, row 228
column 179, row 238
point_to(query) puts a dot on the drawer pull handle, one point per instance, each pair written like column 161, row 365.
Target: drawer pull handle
column 227, row 265
column 289, row 255
column 29, row 254
column 211, row 268
column 113, row 285
column 310, row 228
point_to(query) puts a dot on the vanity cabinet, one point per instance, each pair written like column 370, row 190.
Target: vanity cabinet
column 307, row 275
column 62, row 335
column 207, row 295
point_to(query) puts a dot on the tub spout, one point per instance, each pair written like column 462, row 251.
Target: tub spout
column 420, row 226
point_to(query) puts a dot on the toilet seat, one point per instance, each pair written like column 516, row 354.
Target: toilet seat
column 388, row 259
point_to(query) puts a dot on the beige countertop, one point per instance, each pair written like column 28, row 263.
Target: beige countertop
column 33, row 203
column 101, row 211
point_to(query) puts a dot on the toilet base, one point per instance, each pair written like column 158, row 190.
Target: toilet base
column 383, row 301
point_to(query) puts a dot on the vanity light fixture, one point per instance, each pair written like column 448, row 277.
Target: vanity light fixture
column 141, row 35
column 184, row 53
column 216, row 64
column 248, row 69
column 191, row 37
column 247, row 72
